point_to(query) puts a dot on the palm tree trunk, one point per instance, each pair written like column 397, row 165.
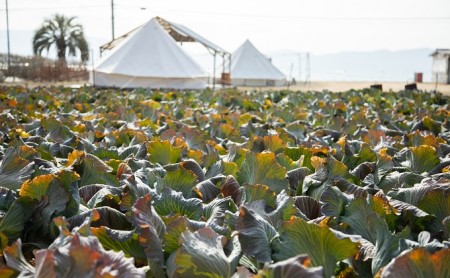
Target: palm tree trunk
column 61, row 48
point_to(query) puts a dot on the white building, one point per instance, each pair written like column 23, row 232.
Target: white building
column 441, row 66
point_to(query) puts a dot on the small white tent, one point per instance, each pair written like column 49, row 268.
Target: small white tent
column 149, row 58
column 249, row 67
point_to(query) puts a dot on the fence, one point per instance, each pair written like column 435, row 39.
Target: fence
column 42, row 70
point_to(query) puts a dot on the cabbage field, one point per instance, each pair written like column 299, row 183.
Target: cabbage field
column 140, row 183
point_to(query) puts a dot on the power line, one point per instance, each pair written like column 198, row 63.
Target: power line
column 56, row 7
column 313, row 17
column 284, row 17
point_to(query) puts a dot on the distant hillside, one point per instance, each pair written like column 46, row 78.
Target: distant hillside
column 373, row 66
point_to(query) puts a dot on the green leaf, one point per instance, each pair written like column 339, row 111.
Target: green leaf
column 294, row 267
column 286, row 162
column 255, row 235
column 429, row 196
column 296, row 178
column 57, row 194
column 104, row 197
column 419, row 263
column 411, row 195
column 367, row 217
column 284, row 209
column 421, row 159
column 432, row 125
column 436, row 202
column 200, row 255
column 399, row 180
column 175, row 226
column 300, row 154
column 57, row 132
column 163, row 152
column 446, row 223
column 91, row 169
column 319, row 242
column 13, row 223
column 117, row 240
column 108, row 217
column 386, row 245
column 417, row 218
column 151, row 233
column 133, row 188
column 327, row 172
column 14, row 170
column 262, row 168
column 7, row 198
column 365, row 154
column 297, row 130
column 214, row 213
column 333, row 202
column 356, row 214
column 180, row 180
column 259, row 192
column 171, row 202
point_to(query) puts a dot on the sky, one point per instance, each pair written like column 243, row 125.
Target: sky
column 319, row 26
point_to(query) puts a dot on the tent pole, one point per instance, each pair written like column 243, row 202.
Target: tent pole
column 214, row 71
column 93, row 69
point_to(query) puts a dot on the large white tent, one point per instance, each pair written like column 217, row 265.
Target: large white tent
column 149, row 57
column 249, row 67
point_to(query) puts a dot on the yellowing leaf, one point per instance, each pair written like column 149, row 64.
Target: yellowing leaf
column 37, row 187
column 73, row 157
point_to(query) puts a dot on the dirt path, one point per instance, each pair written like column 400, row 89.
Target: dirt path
column 333, row 86
column 340, row 86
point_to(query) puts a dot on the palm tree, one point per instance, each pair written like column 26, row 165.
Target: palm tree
column 64, row 34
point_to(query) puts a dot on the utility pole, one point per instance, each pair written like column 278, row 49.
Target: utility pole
column 308, row 70
column 112, row 18
column 7, row 35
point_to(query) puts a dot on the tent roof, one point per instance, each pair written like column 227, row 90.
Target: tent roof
column 443, row 51
column 248, row 63
column 183, row 34
column 150, row 52
column 178, row 32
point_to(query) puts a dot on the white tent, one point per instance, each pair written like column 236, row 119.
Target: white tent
column 249, row 67
column 150, row 58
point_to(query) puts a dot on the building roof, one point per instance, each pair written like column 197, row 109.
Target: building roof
column 442, row 51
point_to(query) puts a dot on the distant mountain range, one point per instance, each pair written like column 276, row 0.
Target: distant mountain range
column 373, row 66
